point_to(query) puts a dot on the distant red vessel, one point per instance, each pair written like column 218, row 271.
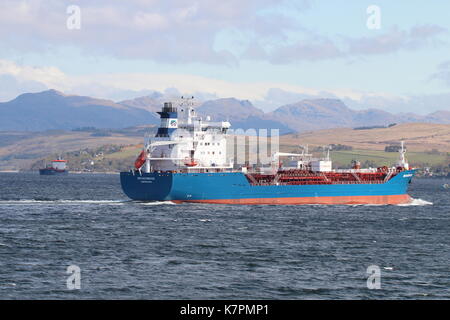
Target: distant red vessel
column 58, row 167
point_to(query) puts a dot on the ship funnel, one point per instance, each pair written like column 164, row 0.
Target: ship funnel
column 168, row 107
column 169, row 120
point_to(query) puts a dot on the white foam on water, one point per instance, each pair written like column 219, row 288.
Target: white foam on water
column 156, row 203
column 413, row 202
column 21, row 201
column 416, row 202
column 92, row 201
column 368, row 205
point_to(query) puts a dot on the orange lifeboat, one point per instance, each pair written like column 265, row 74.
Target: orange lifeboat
column 190, row 162
column 140, row 159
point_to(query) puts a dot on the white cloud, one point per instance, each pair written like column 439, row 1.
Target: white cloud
column 443, row 73
column 150, row 21
column 49, row 75
column 177, row 32
column 10, row 87
column 396, row 39
column 184, row 31
column 316, row 47
column 107, row 85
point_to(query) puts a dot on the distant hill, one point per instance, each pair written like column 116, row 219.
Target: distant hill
column 242, row 115
column 150, row 103
column 305, row 115
column 420, row 137
column 313, row 114
column 53, row 110
column 319, row 114
column 229, row 108
column 19, row 150
column 438, row 117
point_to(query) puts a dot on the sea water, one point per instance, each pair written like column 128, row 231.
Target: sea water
column 159, row 250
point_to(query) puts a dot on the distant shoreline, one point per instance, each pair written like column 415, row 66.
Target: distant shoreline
column 70, row 172
column 117, row 173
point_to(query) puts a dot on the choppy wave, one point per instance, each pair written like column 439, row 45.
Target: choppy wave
column 416, row 202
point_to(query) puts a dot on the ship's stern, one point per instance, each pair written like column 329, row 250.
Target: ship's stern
column 142, row 186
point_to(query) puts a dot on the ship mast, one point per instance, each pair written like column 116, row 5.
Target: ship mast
column 402, row 159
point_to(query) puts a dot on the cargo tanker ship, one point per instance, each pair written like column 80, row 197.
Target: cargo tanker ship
column 57, row 167
column 187, row 161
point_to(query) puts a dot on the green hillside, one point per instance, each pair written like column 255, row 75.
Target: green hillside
column 380, row 158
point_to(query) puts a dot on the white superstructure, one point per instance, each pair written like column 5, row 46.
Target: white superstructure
column 185, row 140
column 59, row 164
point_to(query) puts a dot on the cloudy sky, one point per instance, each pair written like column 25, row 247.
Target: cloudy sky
column 269, row 52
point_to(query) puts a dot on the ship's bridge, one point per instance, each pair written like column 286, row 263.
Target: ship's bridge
column 185, row 140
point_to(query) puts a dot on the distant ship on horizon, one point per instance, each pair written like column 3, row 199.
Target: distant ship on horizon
column 57, row 167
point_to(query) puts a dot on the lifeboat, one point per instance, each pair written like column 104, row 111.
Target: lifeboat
column 190, row 162
column 140, row 160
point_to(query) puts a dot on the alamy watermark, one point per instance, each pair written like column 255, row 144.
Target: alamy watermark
column 374, row 18
column 73, row 21
column 73, row 282
column 374, row 279
column 254, row 146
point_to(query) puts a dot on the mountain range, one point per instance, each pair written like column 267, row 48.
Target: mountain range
column 54, row 110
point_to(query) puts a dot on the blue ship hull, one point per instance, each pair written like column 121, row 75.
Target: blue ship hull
column 233, row 187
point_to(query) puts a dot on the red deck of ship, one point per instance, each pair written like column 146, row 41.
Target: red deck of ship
column 302, row 177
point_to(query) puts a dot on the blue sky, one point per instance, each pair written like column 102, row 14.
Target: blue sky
column 269, row 52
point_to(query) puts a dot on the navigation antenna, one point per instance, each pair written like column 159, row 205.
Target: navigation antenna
column 326, row 152
column 187, row 101
column 402, row 159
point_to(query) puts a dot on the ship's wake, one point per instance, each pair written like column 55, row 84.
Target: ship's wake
column 48, row 201
column 43, row 201
column 413, row 202
column 416, row 202
column 154, row 203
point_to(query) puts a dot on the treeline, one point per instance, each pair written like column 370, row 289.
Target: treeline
column 106, row 132
column 392, row 148
column 375, row 127
column 333, row 147
column 95, row 132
